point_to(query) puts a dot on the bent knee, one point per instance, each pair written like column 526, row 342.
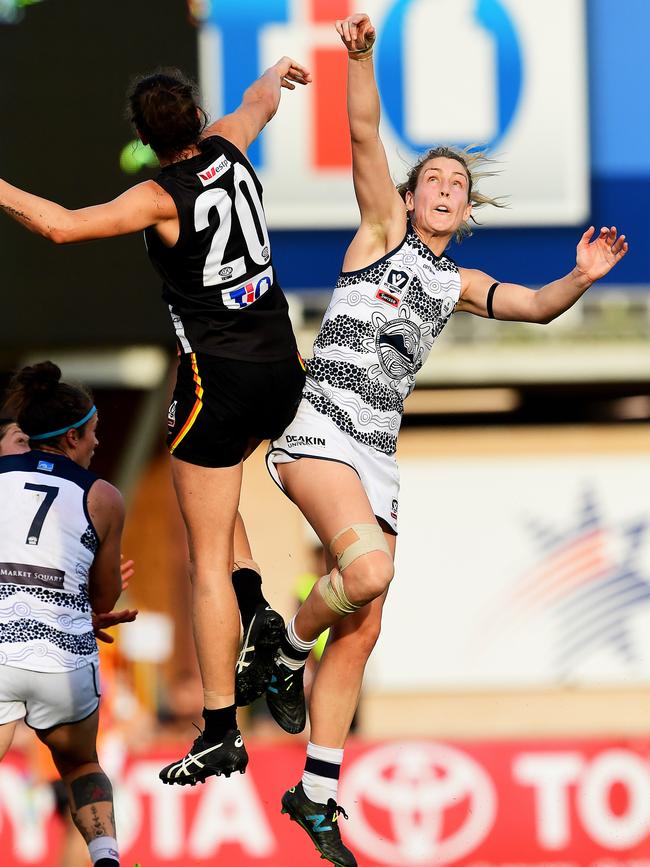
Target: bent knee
column 368, row 577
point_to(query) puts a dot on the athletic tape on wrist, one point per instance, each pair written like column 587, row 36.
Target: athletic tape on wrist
column 360, row 53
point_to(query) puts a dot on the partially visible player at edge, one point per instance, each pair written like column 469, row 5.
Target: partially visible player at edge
column 239, row 377
column 13, row 441
column 60, row 533
column 396, row 292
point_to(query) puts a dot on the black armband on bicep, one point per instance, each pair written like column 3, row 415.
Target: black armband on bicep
column 490, row 297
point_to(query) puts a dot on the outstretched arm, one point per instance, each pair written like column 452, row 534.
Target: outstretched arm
column 517, row 303
column 259, row 104
column 380, row 205
column 146, row 204
column 374, row 188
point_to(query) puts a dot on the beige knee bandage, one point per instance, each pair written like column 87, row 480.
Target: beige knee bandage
column 357, row 540
column 332, row 590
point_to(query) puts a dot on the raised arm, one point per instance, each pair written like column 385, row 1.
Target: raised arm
column 519, row 304
column 380, row 205
column 259, row 104
column 146, row 204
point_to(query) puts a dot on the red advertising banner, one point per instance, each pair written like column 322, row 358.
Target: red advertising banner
column 567, row 803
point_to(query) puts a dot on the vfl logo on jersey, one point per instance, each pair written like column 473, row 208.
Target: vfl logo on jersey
column 171, row 414
column 244, row 296
column 215, row 170
column 396, row 281
column 45, row 465
column 393, row 286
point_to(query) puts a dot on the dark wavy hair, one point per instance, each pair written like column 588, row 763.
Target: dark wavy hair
column 163, row 106
column 39, row 402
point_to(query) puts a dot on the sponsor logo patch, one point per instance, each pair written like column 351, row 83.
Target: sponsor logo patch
column 46, row 466
column 31, row 576
column 244, row 296
column 387, row 298
column 214, row 170
column 301, row 440
column 393, row 510
column 171, row 414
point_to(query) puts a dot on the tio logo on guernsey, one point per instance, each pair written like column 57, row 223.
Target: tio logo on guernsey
column 449, row 71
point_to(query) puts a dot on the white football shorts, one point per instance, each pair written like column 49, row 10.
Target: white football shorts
column 313, row 435
column 45, row 698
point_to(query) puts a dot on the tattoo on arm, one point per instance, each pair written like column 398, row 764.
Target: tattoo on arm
column 12, row 212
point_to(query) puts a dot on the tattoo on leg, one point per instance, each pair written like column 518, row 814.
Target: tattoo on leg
column 98, row 827
column 90, row 789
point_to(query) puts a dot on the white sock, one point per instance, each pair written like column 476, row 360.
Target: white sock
column 293, row 650
column 103, row 847
column 320, row 778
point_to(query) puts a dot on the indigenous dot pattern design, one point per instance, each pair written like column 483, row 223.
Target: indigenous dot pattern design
column 73, row 601
column 376, row 334
column 89, row 539
column 35, row 632
column 349, row 377
column 383, row 442
column 46, row 628
column 344, row 331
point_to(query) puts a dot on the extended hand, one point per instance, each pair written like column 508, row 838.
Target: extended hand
column 111, row 618
column 291, row 71
column 357, row 32
column 596, row 259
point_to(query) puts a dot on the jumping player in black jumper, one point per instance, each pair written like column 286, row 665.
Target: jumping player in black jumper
column 239, row 377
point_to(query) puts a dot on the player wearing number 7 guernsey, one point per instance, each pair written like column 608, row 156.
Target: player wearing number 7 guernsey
column 239, row 375
column 60, row 530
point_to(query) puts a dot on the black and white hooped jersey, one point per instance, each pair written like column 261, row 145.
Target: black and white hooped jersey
column 218, row 279
column 47, row 546
column 376, row 334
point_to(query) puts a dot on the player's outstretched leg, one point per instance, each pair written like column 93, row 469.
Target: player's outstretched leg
column 321, row 822
column 205, row 759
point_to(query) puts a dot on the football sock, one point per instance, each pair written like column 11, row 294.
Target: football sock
column 321, row 775
column 293, row 650
column 247, row 584
column 103, row 852
column 218, row 723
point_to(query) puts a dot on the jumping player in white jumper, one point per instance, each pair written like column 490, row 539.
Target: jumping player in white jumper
column 336, row 461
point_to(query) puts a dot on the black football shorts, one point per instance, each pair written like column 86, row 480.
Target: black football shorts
column 220, row 404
